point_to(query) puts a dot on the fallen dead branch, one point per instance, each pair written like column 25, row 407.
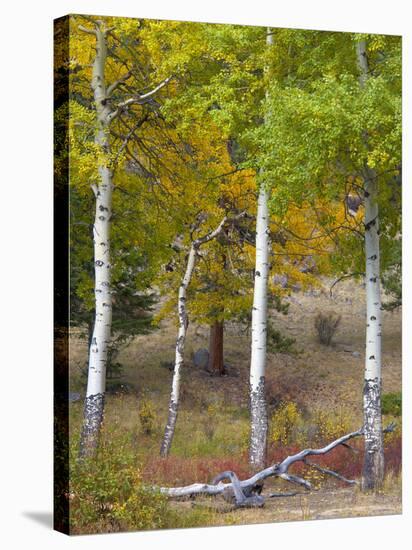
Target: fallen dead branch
column 244, row 493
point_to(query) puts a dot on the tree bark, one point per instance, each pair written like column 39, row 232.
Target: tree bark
column 259, row 421
column 181, row 337
column 373, row 466
column 180, row 346
column 216, row 363
column 98, row 355
column 96, row 382
column 258, row 410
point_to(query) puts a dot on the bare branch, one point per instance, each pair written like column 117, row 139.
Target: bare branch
column 390, row 428
column 86, row 30
column 347, row 276
column 139, row 99
column 241, row 500
column 213, row 234
column 296, row 479
column 289, row 494
column 330, row 473
column 130, row 134
column 117, row 83
column 356, row 451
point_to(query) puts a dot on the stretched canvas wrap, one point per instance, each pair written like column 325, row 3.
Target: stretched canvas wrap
column 227, row 274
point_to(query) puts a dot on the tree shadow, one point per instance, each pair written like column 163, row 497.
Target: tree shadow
column 42, row 518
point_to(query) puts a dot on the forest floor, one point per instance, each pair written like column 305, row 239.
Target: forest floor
column 323, row 504
column 213, row 423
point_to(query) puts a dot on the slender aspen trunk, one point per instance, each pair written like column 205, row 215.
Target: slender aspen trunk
column 96, row 382
column 180, row 346
column 373, row 466
column 216, row 364
column 258, row 410
column 181, row 337
column 259, row 421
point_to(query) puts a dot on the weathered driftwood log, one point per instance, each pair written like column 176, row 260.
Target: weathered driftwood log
column 251, row 487
column 241, row 499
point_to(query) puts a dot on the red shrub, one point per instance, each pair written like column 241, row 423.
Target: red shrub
column 183, row 471
column 341, row 459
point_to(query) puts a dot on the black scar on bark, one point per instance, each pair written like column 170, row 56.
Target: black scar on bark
column 372, row 386
column 372, row 357
column 103, row 208
column 373, row 318
column 259, row 416
column 373, row 257
column 370, row 224
column 169, row 430
column 373, row 461
column 93, row 418
column 373, row 279
column 257, row 273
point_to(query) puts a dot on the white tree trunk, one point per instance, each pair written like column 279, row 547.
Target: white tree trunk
column 180, row 346
column 181, row 337
column 259, row 423
column 96, row 381
column 258, row 411
column 373, row 466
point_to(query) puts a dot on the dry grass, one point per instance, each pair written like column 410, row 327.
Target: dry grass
column 213, row 419
column 330, row 375
column 326, row 504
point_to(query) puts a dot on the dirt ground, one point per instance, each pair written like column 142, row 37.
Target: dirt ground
column 323, row 504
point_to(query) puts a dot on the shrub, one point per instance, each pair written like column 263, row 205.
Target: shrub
column 326, row 325
column 329, row 427
column 277, row 343
column 147, row 416
column 285, row 421
column 392, row 403
column 175, row 470
column 291, row 426
column 107, row 492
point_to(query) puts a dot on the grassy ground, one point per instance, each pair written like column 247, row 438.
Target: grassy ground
column 326, row 504
column 213, row 423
